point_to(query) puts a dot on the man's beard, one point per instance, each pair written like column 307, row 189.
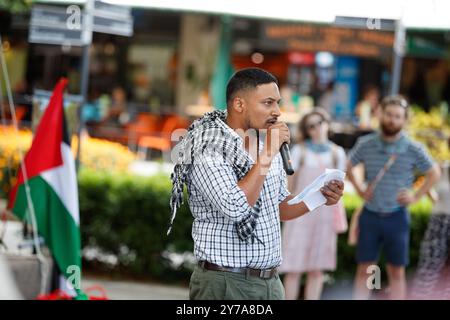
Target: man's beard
column 390, row 131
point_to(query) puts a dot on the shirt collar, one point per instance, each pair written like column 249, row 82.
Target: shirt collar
column 397, row 147
column 233, row 133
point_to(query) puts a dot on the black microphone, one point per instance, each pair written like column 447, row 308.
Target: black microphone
column 287, row 164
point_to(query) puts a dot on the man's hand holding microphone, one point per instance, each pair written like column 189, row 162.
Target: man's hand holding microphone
column 277, row 140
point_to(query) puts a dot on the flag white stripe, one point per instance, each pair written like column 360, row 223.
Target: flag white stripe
column 63, row 180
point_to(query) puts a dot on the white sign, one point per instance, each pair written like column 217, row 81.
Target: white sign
column 112, row 19
column 69, row 26
column 57, row 25
column 112, row 26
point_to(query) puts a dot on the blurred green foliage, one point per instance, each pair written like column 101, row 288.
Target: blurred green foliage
column 15, row 6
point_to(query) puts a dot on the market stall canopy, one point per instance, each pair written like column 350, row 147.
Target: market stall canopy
column 414, row 14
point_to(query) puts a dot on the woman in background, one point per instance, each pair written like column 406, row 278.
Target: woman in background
column 367, row 109
column 310, row 243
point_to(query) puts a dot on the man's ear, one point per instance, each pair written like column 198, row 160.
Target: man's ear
column 238, row 104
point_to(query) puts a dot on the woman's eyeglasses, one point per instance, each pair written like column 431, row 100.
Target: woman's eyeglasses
column 312, row 126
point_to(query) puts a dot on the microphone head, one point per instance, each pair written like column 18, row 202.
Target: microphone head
column 286, row 156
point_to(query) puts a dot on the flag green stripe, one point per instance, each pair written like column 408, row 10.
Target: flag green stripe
column 55, row 222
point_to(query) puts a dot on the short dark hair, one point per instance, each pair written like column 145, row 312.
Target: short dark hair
column 248, row 78
column 397, row 100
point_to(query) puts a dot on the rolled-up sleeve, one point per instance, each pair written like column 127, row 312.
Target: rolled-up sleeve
column 219, row 185
column 423, row 161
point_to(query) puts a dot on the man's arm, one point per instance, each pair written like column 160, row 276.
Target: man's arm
column 253, row 181
column 364, row 193
column 332, row 191
column 289, row 212
column 216, row 181
column 424, row 163
column 215, row 178
column 355, row 157
column 431, row 177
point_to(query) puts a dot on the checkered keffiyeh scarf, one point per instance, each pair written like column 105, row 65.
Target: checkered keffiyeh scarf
column 210, row 135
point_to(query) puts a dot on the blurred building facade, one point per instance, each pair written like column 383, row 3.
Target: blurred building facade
column 169, row 62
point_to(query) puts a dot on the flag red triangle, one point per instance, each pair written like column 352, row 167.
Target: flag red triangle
column 45, row 151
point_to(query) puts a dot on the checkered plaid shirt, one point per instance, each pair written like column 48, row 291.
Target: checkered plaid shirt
column 217, row 203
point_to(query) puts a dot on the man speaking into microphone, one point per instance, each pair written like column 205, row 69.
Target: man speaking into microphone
column 230, row 162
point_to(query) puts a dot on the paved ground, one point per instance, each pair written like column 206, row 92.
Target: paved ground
column 129, row 290
column 133, row 290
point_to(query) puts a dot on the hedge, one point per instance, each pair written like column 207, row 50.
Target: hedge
column 127, row 216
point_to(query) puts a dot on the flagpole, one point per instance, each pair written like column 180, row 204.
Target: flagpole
column 399, row 52
column 30, row 209
column 87, row 38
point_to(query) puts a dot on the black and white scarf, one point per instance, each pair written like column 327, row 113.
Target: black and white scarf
column 432, row 279
column 211, row 135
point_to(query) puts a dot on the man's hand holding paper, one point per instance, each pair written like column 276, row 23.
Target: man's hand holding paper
column 326, row 189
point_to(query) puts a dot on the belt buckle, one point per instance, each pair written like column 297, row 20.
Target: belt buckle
column 265, row 274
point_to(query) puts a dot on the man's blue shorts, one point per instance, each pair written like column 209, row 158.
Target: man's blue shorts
column 387, row 230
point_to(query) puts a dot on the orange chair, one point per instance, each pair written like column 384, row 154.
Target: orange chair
column 144, row 125
column 162, row 141
column 21, row 112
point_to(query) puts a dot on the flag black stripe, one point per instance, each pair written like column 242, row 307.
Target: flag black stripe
column 65, row 136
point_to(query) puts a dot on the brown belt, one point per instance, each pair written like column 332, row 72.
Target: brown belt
column 260, row 273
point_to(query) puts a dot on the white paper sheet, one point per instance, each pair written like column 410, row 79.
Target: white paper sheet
column 311, row 195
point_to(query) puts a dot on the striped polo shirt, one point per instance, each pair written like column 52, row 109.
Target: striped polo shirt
column 374, row 152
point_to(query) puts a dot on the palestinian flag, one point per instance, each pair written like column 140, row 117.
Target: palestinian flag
column 50, row 171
